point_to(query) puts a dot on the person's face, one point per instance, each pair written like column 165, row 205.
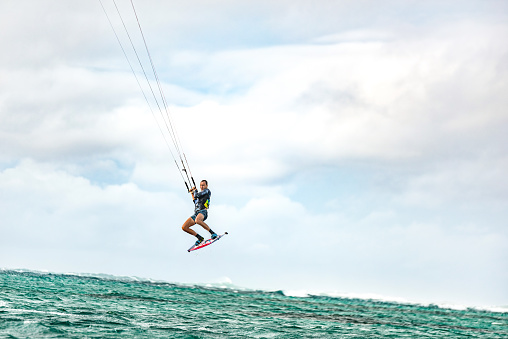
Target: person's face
column 203, row 185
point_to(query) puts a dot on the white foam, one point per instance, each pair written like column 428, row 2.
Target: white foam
column 296, row 293
column 499, row 309
column 224, row 283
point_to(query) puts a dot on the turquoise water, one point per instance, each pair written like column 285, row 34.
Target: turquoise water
column 46, row 305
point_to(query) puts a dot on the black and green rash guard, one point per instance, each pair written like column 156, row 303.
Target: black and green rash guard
column 202, row 199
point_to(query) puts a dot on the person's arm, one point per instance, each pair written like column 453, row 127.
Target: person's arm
column 192, row 190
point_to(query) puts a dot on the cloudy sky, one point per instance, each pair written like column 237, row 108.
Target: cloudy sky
column 351, row 147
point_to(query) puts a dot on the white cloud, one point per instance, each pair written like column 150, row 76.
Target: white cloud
column 49, row 207
column 365, row 102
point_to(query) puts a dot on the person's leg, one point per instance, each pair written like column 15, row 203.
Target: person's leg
column 187, row 226
column 200, row 221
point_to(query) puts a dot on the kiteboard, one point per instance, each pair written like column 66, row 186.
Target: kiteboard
column 205, row 243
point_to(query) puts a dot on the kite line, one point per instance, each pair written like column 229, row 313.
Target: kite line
column 168, row 129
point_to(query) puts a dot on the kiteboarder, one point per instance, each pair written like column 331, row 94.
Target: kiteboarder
column 201, row 202
column 202, row 198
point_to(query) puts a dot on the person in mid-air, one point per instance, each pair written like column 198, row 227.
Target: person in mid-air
column 201, row 202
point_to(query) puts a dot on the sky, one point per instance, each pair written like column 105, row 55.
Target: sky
column 351, row 147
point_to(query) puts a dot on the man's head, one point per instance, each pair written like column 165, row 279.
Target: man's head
column 203, row 184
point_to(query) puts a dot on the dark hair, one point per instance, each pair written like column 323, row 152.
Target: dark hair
column 206, row 182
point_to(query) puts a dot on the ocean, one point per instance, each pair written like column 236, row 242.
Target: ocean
column 50, row 305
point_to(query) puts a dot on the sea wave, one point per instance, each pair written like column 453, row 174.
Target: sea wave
column 392, row 299
column 227, row 284
column 100, row 276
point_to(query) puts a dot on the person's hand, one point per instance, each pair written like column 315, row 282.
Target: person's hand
column 192, row 189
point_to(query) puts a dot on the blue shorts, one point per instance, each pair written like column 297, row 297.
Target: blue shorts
column 204, row 212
